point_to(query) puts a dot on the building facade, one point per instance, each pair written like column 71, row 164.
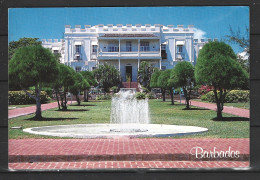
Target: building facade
column 126, row 46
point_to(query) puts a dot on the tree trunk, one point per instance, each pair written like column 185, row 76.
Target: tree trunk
column 187, row 98
column 38, row 113
column 163, row 94
column 57, row 97
column 172, row 96
column 218, row 102
column 78, row 100
column 85, row 96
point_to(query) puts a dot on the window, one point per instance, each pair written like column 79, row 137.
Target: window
column 163, row 47
column 93, row 68
column 163, row 51
column 94, row 48
column 163, row 68
column 179, row 48
column 113, row 47
column 77, row 58
column 78, row 48
column 78, row 69
column 55, row 52
column 144, row 46
column 128, row 46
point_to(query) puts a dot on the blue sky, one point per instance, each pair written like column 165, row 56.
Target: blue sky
column 48, row 23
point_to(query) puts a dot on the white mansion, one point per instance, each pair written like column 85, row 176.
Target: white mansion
column 126, row 46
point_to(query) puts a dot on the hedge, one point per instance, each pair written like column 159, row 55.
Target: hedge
column 232, row 96
column 103, row 97
column 20, row 97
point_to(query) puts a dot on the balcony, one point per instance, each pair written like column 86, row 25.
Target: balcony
column 130, row 54
column 180, row 56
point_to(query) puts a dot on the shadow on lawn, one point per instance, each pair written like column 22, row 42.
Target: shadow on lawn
column 51, row 119
column 84, row 105
column 69, row 110
column 195, row 109
column 231, row 119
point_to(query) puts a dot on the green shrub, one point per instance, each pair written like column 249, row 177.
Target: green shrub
column 103, row 97
column 150, row 96
column 114, row 89
column 140, row 95
column 48, row 90
column 233, row 96
column 20, row 97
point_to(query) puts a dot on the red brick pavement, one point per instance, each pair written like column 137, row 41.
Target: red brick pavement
column 99, row 151
column 129, row 164
column 30, row 110
column 227, row 109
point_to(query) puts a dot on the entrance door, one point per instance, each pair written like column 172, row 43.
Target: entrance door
column 128, row 72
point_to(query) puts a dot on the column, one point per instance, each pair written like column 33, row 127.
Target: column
column 138, row 63
column 160, row 63
column 138, row 47
column 119, row 45
column 119, row 64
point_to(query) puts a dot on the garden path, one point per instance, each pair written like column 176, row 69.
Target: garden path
column 227, row 109
column 30, row 110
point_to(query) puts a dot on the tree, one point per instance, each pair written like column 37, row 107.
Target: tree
column 182, row 75
column 33, row 66
column 217, row 66
column 154, row 79
column 79, row 85
column 163, row 82
column 61, row 86
column 107, row 76
column 89, row 76
column 145, row 73
column 14, row 45
column 243, row 41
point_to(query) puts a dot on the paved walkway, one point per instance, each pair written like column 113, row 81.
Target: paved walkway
column 227, row 109
column 30, row 110
column 124, row 153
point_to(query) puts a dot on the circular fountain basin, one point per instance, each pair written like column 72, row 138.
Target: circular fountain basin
column 104, row 131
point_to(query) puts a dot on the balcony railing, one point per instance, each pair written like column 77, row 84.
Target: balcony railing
column 151, row 54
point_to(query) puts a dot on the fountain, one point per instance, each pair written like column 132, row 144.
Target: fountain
column 130, row 114
column 129, row 117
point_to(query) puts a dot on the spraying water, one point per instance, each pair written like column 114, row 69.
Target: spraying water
column 130, row 114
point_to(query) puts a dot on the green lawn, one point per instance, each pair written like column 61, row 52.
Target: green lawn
column 243, row 105
column 160, row 112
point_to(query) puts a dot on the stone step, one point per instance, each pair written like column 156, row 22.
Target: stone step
column 129, row 164
column 117, row 157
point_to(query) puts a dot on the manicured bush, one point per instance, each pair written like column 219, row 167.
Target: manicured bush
column 233, row 96
column 19, row 97
column 140, row 95
column 205, row 89
column 103, row 97
column 48, row 90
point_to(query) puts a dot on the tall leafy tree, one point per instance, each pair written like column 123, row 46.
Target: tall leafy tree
column 22, row 42
column 182, row 75
column 33, row 66
column 243, row 41
column 165, row 84
column 217, row 66
column 145, row 73
column 62, row 83
column 107, row 76
column 79, row 85
column 89, row 76
column 154, row 79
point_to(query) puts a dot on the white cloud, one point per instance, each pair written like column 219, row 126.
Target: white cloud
column 199, row 34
